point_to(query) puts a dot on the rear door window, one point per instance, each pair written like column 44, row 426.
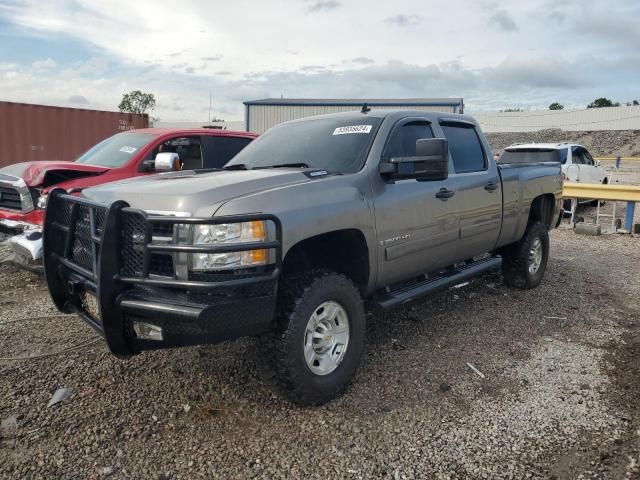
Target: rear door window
column 578, row 157
column 218, row 150
column 466, row 151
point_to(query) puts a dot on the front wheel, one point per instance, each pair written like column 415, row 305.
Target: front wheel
column 316, row 346
column 524, row 262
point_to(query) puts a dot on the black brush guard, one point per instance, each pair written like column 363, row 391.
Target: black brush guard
column 105, row 253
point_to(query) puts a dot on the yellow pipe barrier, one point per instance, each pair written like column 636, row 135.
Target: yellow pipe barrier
column 621, row 193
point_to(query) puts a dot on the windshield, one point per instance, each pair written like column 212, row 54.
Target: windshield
column 337, row 144
column 117, row 150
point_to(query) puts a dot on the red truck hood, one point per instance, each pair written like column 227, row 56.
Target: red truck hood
column 47, row 173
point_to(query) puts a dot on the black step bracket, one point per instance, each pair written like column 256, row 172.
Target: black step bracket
column 389, row 299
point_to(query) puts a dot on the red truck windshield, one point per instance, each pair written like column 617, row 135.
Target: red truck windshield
column 117, row 150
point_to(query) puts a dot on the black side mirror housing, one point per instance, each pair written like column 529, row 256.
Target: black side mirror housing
column 431, row 162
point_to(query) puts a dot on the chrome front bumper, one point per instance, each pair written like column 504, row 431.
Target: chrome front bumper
column 26, row 244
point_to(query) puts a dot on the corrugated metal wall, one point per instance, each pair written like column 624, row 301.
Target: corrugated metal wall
column 260, row 118
column 38, row 132
column 610, row 118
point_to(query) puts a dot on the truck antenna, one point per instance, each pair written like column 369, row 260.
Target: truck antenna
column 365, row 108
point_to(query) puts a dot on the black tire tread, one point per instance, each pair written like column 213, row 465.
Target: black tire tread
column 283, row 372
column 515, row 258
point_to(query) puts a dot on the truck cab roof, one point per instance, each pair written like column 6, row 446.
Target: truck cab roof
column 430, row 115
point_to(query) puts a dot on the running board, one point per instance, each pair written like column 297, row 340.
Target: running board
column 433, row 284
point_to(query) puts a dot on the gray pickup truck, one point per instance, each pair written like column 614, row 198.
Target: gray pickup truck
column 304, row 230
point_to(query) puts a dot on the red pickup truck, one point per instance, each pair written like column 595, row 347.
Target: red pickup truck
column 24, row 186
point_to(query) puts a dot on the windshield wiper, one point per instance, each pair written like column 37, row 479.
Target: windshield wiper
column 285, row 165
column 237, row 166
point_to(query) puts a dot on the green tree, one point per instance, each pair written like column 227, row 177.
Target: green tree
column 137, row 102
column 603, row 102
column 556, row 106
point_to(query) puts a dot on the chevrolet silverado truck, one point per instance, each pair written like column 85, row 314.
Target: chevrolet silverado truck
column 24, row 187
column 307, row 228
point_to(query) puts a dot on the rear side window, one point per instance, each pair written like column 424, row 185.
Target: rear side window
column 465, row 148
column 402, row 142
column 218, row 150
column 577, row 157
column 564, row 153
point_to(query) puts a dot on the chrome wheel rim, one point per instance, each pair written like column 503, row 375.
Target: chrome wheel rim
column 535, row 256
column 326, row 338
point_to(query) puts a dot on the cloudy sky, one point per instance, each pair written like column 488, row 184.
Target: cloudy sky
column 495, row 55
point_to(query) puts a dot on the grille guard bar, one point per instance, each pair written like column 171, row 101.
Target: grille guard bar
column 67, row 278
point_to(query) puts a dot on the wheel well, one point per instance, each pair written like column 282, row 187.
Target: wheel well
column 542, row 209
column 341, row 251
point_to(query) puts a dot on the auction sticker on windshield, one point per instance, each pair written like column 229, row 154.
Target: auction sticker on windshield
column 129, row 150
column 352, row 129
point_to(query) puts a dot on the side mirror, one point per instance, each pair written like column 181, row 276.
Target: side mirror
column 431, row 162
column 166, row 162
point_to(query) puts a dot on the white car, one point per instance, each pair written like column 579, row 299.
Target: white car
column 577, row 163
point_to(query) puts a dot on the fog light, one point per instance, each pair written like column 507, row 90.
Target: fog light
column 147, row 331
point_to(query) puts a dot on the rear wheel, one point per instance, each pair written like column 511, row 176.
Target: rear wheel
column 524, row 262
column 316, row 346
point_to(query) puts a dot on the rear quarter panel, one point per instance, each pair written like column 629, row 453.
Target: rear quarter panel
column 521, row 184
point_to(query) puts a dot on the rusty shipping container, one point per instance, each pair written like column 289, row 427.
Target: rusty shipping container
column 39, row 132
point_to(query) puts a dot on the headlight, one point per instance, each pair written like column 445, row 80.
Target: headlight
column 225, row 234
column 42, row 202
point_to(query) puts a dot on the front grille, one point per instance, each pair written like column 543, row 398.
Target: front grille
column 81, row 252
column 10, row 198
column 163, row 230
column 161, row 264
column 134, row 238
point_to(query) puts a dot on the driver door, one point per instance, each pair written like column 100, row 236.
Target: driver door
column 417, row 232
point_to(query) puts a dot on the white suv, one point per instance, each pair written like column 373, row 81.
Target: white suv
column 577, row 163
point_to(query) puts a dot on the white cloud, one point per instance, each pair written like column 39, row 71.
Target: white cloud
column 244, row 50
column 44, row 64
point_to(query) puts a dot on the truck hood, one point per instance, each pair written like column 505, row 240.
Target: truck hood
column 47, row 173
column 197, row 193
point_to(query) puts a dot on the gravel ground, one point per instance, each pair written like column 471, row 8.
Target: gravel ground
column 560, row 397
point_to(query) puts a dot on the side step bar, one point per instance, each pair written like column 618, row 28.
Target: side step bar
column 433, row 284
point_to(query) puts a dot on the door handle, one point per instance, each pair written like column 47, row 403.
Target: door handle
column 443, row 194
column 491, row 186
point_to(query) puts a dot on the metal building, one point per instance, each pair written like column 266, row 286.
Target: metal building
column 41, row 132
column 260, row 115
